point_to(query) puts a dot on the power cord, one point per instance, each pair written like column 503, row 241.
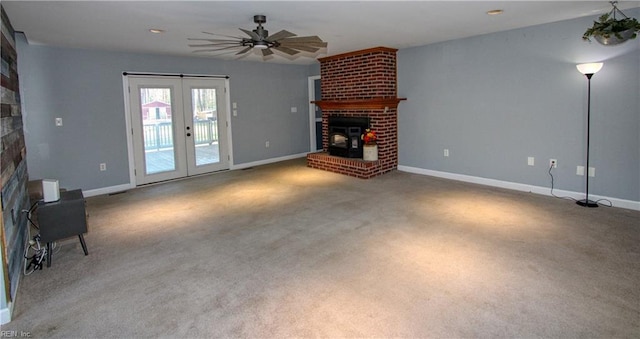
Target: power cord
column 35, row 253
column 610, row 204
column 570, row 198
column 34, row 262
column 29, row 211
column 559, row 197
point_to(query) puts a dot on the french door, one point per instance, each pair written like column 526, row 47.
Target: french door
column 179, row 127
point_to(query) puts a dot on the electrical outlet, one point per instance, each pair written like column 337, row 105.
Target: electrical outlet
column 103, row 166
column 553, row 163
column 592, row 171
column 580, row 170
column 266, row 144
column 446, row 152
column 531, row 161
column 58, row 122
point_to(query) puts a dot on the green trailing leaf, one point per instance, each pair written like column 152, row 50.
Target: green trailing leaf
column 607, row 26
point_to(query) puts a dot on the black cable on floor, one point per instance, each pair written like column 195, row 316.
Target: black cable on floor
column 570, row 198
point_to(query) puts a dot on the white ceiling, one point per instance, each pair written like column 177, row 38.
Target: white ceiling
column 345, row 25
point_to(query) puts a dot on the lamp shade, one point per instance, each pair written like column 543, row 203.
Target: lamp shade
column 590, row 68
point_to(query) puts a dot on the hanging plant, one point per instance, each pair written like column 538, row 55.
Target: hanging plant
column 609, row 30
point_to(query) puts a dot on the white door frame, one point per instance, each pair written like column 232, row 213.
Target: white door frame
column 128, row 122
column 312, row 113
column 188, row 84
column 179, row 140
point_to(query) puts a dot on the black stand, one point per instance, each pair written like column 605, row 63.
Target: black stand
column 586, row 202
column 49, row 250
column 63, row 219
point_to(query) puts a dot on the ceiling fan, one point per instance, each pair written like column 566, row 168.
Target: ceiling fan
column 283, row 41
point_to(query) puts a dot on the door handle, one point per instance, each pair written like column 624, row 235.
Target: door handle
column 188, row 134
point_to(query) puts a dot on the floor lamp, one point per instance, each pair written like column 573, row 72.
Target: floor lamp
column 588, row 70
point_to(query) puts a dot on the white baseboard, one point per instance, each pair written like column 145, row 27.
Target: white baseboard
column 268, row 161
column 124, row 187
column 5, row 315
column 621, row 203
column 107, row 190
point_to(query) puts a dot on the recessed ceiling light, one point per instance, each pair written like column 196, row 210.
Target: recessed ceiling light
column 495, row 12
column 156, row 30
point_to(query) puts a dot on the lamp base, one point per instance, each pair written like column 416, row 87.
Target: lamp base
column 587, row 203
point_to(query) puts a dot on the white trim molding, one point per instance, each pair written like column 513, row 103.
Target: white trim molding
column 5, row 314
column 621, row 203
column 107, row 190
column 268, row 161
column 125, row 187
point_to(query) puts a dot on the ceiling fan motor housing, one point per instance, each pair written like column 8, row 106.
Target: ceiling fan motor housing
column 262, row 33
column 259, row 19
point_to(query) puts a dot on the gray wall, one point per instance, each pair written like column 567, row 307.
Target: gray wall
column 84, row 88
column 494, row 100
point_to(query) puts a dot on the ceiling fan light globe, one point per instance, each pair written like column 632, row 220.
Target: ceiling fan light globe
column 259, row 45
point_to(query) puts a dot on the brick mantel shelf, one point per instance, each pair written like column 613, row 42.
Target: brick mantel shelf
column 375, row 103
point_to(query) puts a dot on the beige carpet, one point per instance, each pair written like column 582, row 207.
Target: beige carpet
column 287, row 251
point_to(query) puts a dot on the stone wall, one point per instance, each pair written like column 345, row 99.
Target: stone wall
column 13, row 166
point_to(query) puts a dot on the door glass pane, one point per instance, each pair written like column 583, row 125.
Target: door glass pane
column 205, row 126
column 157, row 128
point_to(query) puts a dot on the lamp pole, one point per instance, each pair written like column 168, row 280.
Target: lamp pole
column 588, row 70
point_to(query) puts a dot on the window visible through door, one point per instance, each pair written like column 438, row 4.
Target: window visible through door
column 179, row 126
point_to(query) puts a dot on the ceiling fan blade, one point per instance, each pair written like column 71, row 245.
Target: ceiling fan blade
column 244, row 50
column 216, row 49
column 215, row 44
column 253, row 35
column 280, row 35
column 298, row 45
column 286, row 50
column 224, row 35
column 215, row 40
column 222, row 53
column 205, row 50
column 305, row 39
column 267, row 52
column 305, row 48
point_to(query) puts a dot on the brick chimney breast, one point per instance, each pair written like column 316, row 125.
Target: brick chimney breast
column 360, row 84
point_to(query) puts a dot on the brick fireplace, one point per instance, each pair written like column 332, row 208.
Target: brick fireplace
column 360, row 84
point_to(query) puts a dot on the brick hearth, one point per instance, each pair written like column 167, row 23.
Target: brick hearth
column 360, row 84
